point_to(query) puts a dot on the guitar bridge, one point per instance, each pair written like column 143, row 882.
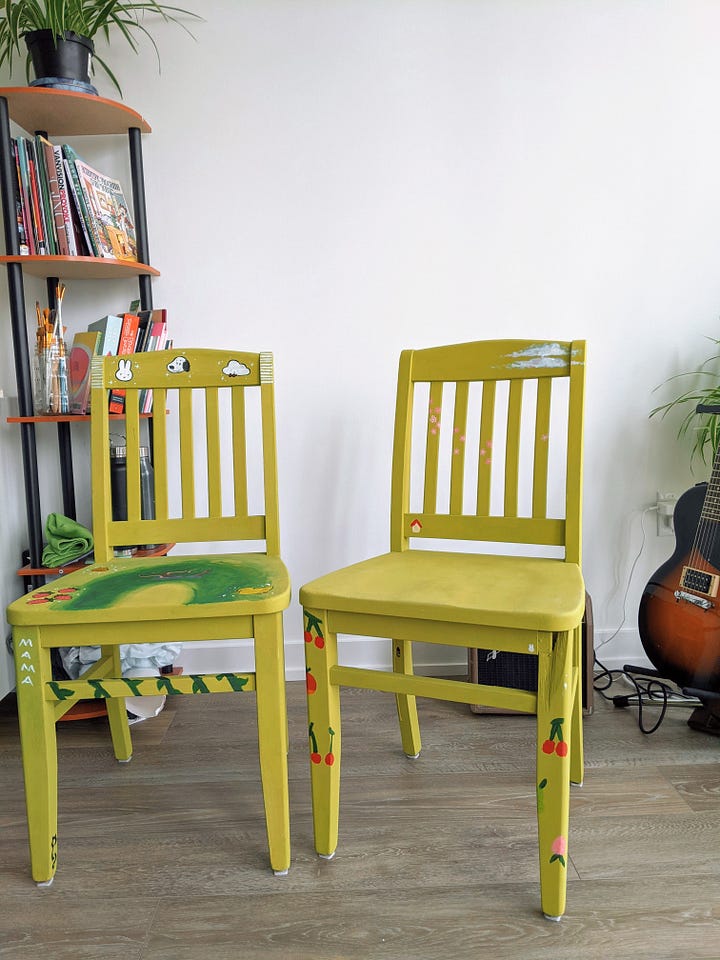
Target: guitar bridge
column 701, row 581
column 691, row 598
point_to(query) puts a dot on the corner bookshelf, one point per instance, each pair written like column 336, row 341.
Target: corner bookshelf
column 60, row 114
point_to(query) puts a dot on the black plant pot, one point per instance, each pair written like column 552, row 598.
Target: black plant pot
column 63, row 62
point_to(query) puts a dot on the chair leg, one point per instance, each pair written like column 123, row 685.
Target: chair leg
column 117, row 713
column 323, row 708
column 406, row 704
column 272, row 736
column 554, row 730
column 577, row 759
column 39, row 750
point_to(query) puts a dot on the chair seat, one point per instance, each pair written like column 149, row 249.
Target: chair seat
column 202, row 586
column 533, row 593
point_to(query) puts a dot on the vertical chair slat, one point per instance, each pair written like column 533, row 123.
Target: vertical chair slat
column 272, row 519
column 160, row 468
column 457, row 468
column 402, row 453
column 487, row 417
column 239, row 452
column 432, row 447
column 100, row 440
column 214, row 474
column 132, row 433
column 512, row 448
column 541, row 447
column 187, row 464
column 573, row 506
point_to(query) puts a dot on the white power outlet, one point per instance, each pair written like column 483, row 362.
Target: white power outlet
column 665, row 510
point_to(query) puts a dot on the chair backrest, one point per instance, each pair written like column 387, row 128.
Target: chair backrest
column 485, row 435
column 208, row 465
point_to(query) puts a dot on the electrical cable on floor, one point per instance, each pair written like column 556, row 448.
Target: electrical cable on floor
column 649, row 691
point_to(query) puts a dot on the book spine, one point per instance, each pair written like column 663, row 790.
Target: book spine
column 79, row 211
column 65, row 207
column 23, row 244
column 44, row 197
column 53, row 188
column 41, row 241
column 25, row 192
column 128, row 337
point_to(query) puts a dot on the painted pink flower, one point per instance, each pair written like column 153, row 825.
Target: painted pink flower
column 559, row 846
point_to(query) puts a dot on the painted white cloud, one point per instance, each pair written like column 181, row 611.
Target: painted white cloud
column 236, row 369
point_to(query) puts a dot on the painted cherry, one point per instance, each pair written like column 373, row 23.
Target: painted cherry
column 308, row 636
column 548, row 746
column 310, row 681
column 561, row 749
column 319, row 642
column 330, row 756
column 315, row 756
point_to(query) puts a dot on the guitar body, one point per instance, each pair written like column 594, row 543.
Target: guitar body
column 681, row 635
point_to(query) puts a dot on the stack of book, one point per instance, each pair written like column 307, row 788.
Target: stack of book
column 114, row 335
column 64, row 207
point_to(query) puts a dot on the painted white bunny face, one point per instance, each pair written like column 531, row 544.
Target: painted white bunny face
column 124, row 371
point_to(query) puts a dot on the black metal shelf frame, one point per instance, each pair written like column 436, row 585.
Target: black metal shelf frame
column 18, row 321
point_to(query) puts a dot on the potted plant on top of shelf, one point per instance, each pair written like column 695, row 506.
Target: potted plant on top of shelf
column 59, row 36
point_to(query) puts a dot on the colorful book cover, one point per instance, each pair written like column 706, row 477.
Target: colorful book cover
column 84, row 348
column 53, row 193
column 109, row 328
column 128, row 338
column 109, row 210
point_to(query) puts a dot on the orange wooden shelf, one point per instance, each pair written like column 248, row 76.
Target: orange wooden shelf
column 64, row 113
column 81, row 268
column 67, row 418
column 28, row 571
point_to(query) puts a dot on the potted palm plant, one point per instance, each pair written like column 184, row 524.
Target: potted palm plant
column 59, row 35
column 701, row 386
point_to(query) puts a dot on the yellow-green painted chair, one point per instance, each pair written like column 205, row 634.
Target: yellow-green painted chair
column 213, row 419
column 487, row 452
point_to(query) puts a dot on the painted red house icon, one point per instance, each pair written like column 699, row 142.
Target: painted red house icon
column 416, row 526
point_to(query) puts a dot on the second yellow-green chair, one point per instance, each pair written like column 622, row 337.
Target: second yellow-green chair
column 487, row 454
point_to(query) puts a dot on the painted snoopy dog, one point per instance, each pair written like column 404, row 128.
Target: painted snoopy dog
column 179, row 365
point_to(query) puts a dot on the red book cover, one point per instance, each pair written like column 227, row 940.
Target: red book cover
column 128, row 336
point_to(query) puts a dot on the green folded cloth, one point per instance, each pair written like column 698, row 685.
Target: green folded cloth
column 66, row 540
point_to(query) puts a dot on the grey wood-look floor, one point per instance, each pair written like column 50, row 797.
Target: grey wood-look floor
column 164, row 858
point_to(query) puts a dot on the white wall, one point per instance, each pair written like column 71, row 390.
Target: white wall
column 335, row 180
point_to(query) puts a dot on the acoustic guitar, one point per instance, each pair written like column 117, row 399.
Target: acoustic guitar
column 679, row 616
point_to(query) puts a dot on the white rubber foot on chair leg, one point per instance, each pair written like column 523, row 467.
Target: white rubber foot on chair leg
column 45, row 883
column 126, row 761
column 576, row 783
column 554, row 919
column 412, row 756
column 326, row 856
column 281, row 873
